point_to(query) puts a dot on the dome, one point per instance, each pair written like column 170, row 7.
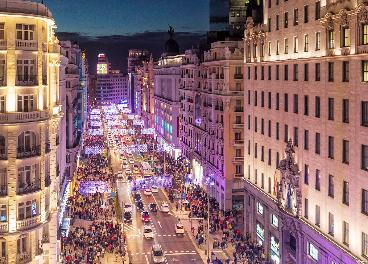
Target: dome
column 171, row 47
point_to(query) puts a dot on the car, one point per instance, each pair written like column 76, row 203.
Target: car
column 136, row 170
column 120, row 176
column 158, row 255
column 131, row 161
column 153, row 207
column 125, row 165
column 124, row 160
column 130, row 178
column 128, row 207
column 147, row 232
column 127, row 216
column 147, row 192
column 130, row 155
column 137, row 197
column 154, row 189
column 165, row 208
column 140, row 205
column 128, row 171
column 145, row 216
column 138, row 176
column 135, row 166
column 179, row 229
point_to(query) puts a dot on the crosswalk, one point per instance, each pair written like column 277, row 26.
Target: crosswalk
column 170, row 253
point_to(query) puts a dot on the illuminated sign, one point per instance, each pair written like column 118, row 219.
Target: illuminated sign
column 87, row 187
column 101, row 55
column 136, row 100
column 95, row 132
column 34, row 209
column 259, row 208
column 312, row 251
column 274, row 220
column 138, row 123
column 95, row 111
column 102, row 68
column 151, row 182
column 148, row 131
column 88, row 150
column 95, row 117
column 63, row 203
column 131, row 117
column 198, row 121
column 96, row 123
column 260, row 231
column 275, row 245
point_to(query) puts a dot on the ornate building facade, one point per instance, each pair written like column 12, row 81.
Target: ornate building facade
column 306, row 71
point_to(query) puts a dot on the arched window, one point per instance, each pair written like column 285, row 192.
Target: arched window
column 26, row 141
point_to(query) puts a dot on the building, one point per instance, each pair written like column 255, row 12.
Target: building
column 166, row 96
column 31, row 127
column 306, row 71
column 136, row 59
column 212, row 120
column 111, row 85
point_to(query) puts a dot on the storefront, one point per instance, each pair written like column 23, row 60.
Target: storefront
column 260, row 233
column 275, row 249
column 197, row 170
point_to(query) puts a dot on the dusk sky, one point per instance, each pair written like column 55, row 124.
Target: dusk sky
column 115, row 26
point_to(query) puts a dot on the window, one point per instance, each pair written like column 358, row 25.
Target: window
column 306, row 208
column 274, row 220
column 262, row 153
column 306, row 72
column 277, row 131
column 2, row 104
column 331, row 185
column 365, row 244
column 295, row 72
column 262, row 126
column 364, row 201
column 345, row 71
column 27, row 141
column 277, row 159
column 295, row 110
column 345, row 151
column 318, row 180
column 269, row 185
column 269, row 128
column 277, row 101
column 296, row 20
column 306, row 105
column 286, row 41
column 269, row 24
column 259, row 208
column 26, row 103
column 277, row 22
column 306, row 174
column 262, row 73
column 364, row 157
column 331, row 39
column 330, row 71
column 345, row 37
column 249, row 122
column 318, row 10
column 249, row 179
column 306, row 139
column 306, row 14
column 306, row 41
column 318, row 106
column 331, row 109
column 269, row 100
column 318, row 40
column 345, row 110
column 365, row 71
column 255, row 50
column 269, row 3
column 255, row 180
column 239, row 169
column 255, row 73
column 249, row 97
column 255, row 98
column 255, row 124
column 22, row 244
column 248, row 73
column 269, row 48
column 277, row 49
column 2, row 31
column 286, row 20
column 25, row 32
column 286, row 138
column 331, row 224
column 295, row 136
column 331, row 147
column 238, row 120
column 365, row 33
column 26, row 72
column 27, row 209
column 262, row 50
column 269, row 157
column 345, row 232
column 269, row 72
column 286, row 72
column 3, row 213
column 318, row 72
column 286, row 102
column 345, row 192
column 318, row 143
column 248, row 147
column 278, row 72
column 318, row 218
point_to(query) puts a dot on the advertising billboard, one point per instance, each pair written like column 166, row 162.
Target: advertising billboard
column 102, row 68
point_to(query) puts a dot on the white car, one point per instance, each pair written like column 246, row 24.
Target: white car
column 154, row 190
column 131, row 161
column 148, row 232
column 179, row 229
column 165, row 208
column 147, row 192
column 124, row 160
column 128, row 171
column 125, row 165
column 128, row 207
column 120, row 176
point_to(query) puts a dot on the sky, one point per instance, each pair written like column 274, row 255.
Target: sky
column 115, row 26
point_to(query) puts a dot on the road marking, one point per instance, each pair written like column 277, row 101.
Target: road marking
column 184, row 253
column 158, row 222
column 168, row 235
column 147, row 259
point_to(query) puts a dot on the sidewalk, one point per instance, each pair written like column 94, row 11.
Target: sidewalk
column 184, row 218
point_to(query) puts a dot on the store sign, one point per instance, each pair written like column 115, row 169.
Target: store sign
column 63, row 203
column 259, row 208
column 275, row 258
column 313, row 251
column 275, row 245
column 274, row 220
column 260, row 231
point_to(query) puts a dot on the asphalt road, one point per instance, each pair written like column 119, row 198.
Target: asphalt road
column 177, row 248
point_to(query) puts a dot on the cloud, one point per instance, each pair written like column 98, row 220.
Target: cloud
column 116, row 47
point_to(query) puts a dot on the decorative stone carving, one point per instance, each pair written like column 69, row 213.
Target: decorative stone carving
column 227, row 104
column 362, row 13
column 249, row 23
column 344, row 18
column 227, row 53
column 289, row 195
column 329, row 22
column 238, row 53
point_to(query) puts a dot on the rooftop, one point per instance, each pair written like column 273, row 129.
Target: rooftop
column 24, row 7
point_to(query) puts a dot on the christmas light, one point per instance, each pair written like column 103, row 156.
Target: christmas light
column 148, row 131
column 89, row 150
column 151, row 182
column 96, row 123
column 96, row 132
column 138, row 123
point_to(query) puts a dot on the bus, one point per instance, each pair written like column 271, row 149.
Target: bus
column 146, row 168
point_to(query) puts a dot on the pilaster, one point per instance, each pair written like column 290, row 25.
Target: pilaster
column 12, row 178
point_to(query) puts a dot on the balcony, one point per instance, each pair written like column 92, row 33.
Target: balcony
column 45, row 238
column 238, row 176
column 3, row 45
column 362, row 49
column 24, row 117
column 24, row 257
column 48, row 180
column 238, row 160
column 26, row 44
column 28, row 223
column 23, row 153
column 26, row 188
column 47, row 147
column 238, row 109
column 26, row 80
column 3, row 190
column 238, row 126
column 3, row 155
column 3, row 260
column 220, row 125
column 238, row 76
column 4, row 228
column 238, row 143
